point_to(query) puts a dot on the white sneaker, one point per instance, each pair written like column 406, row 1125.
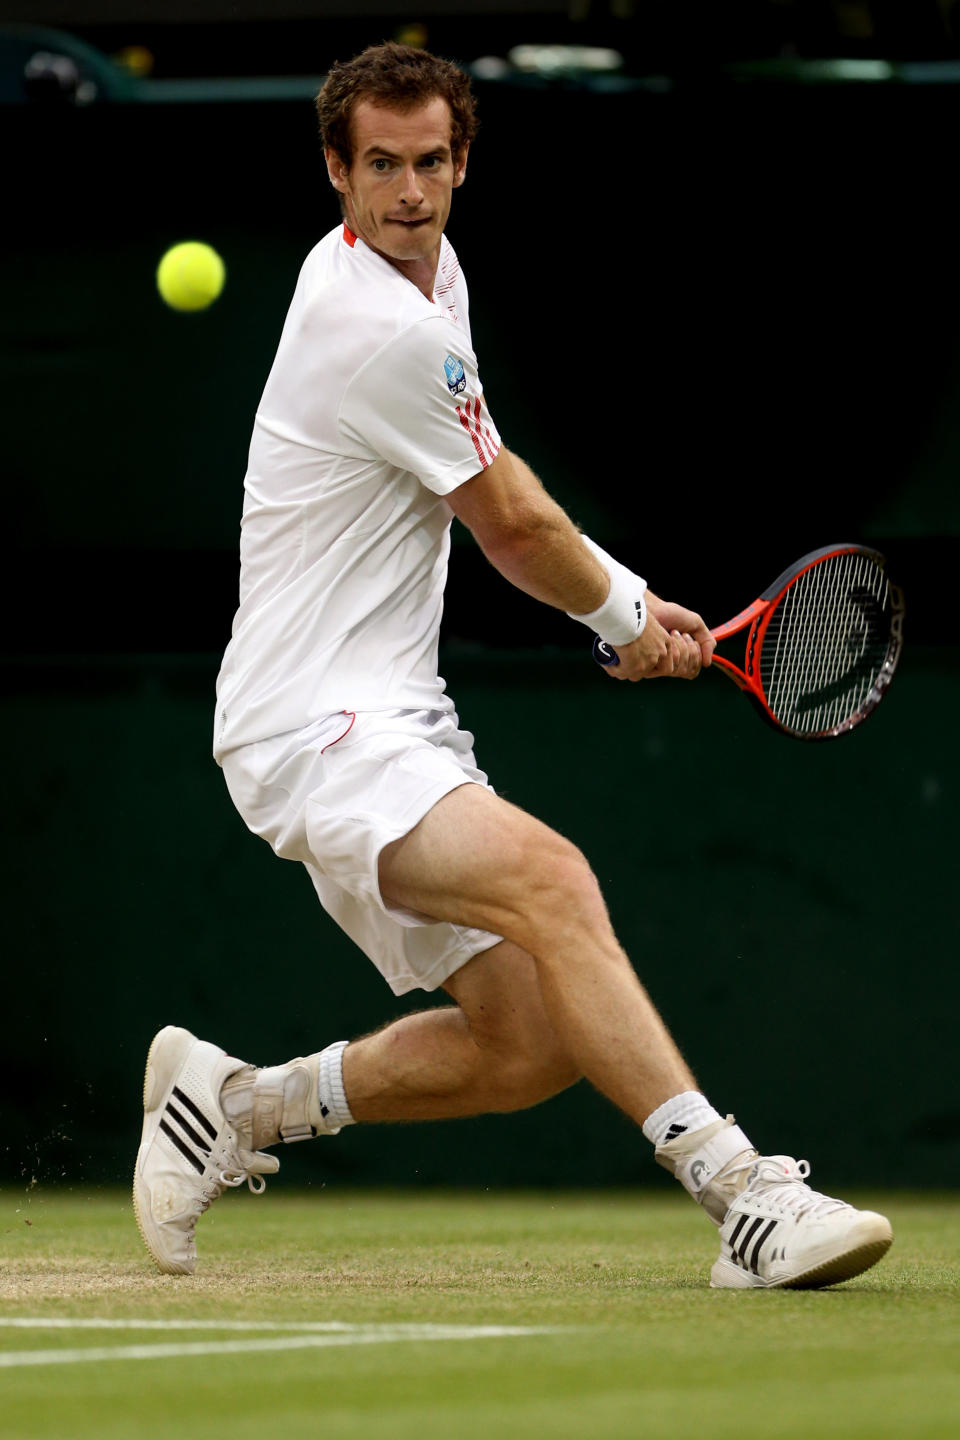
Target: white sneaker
column 779, row 1232
column 188, row 1151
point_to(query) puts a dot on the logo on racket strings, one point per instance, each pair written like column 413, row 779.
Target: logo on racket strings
column 866, row 650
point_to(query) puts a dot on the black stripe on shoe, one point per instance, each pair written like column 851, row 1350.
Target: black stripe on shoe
column 764, row 1237
column 187, row 1128
column 742, row 1251
column 184, row 1149
column 736, row 1231
column 198, row 1115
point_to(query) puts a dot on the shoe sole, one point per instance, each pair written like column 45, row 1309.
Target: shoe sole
column 843, row 1267
column 158, row 1079
column 829, row 1271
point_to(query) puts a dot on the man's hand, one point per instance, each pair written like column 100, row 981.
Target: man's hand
column 675, row 642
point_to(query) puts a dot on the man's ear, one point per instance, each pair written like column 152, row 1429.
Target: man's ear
column 337, row 169
column 460, row 166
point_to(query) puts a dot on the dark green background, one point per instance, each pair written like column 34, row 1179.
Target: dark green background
column 720, row 318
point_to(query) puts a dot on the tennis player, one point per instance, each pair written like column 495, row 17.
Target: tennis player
column 341, row 748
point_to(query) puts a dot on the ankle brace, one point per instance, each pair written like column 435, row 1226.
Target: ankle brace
column 280, row 1102
column 698, row 1161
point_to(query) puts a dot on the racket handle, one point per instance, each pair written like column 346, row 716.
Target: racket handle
column 603, row 654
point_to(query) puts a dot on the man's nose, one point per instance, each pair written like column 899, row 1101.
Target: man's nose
column 410, row 191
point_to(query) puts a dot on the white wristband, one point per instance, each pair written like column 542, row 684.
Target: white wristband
column 623, row 614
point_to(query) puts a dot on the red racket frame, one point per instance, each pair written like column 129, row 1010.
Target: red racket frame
column 757, row 617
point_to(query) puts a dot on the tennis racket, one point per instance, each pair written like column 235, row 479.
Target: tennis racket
column 822, row 643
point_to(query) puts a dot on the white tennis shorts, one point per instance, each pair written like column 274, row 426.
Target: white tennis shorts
column 333, row 795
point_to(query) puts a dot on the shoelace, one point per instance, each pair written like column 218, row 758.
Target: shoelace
column 232, row 1177
column 249, row 1175
column 781, row 1181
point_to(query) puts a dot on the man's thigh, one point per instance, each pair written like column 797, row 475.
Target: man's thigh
column 333, row 795
column 475, row 859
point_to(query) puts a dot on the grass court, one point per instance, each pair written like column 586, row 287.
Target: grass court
column 467, row 1316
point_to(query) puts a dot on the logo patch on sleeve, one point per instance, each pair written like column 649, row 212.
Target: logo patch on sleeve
column 456, row 380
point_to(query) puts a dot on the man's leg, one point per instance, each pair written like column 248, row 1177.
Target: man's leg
column 495, row 1050
column 556, row 999
column 477, row 860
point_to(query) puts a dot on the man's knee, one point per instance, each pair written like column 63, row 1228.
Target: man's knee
column 523, row 1059
column 525, row 1078
column 558, row 892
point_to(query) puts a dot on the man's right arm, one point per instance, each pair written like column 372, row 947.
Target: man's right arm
column 534, row 544
column 526, row 535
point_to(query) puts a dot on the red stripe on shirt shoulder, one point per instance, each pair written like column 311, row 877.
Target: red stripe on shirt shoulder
column 483, row 441
column 465, row 422
column 348, row 235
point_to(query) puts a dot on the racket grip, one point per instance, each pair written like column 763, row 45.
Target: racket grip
column 603, row 654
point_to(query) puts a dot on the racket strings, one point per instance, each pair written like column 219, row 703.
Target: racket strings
column 826, row 643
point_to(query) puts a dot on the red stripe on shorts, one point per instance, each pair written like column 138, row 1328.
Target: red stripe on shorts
column 353, row 715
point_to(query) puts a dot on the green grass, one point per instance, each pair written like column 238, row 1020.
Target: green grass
column 636, row 1344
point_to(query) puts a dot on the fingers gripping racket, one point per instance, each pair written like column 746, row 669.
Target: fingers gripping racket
column 822, row 643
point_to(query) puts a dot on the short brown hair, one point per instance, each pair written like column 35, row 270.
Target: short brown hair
column 399, row 76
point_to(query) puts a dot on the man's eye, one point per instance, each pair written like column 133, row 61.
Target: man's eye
column 381, row 165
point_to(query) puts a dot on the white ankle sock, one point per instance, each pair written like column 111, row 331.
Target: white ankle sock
column 330, row 1091
column 688, row 1111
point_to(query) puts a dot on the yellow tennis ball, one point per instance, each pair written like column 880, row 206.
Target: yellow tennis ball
column 190, row 276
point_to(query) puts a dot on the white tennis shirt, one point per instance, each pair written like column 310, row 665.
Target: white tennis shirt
column 371, row 414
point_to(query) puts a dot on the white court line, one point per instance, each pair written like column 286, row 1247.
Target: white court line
column 311, row 1335
column 66, row 1323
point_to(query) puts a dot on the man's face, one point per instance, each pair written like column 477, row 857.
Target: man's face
column 398, row 189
